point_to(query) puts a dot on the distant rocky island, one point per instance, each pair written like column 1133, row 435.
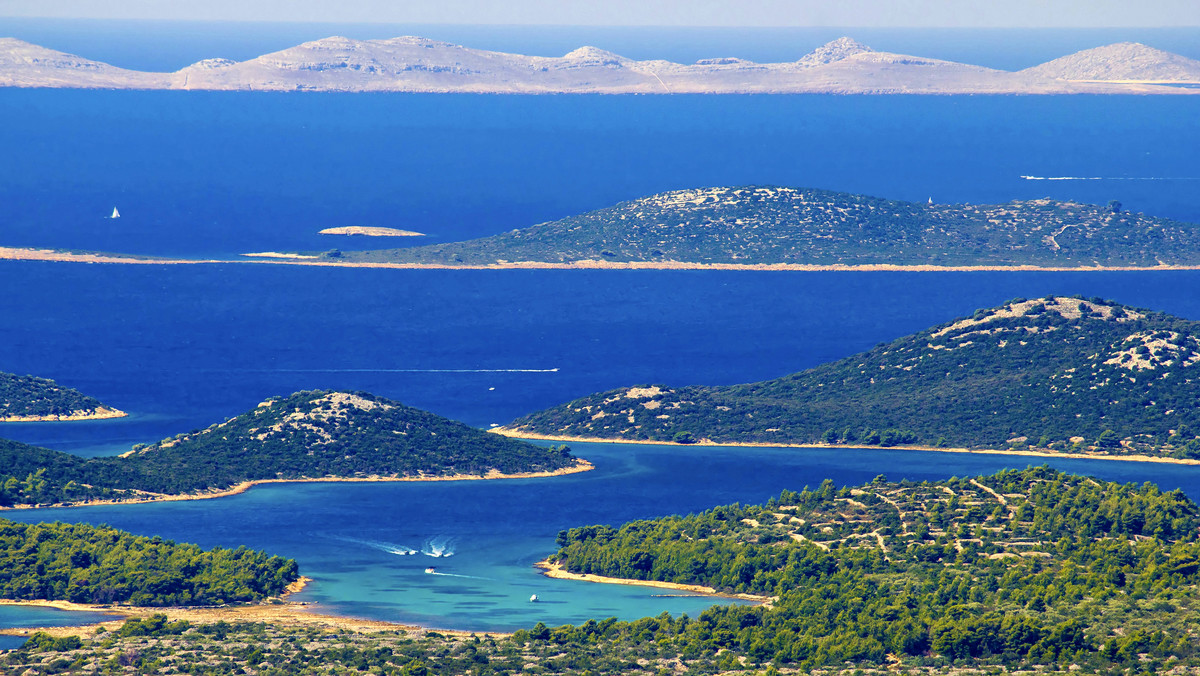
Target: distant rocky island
column 369, row 231
column 415, row 64
column 1053, row 374
column 31, row 399
column 771, row 225
column 312, row 435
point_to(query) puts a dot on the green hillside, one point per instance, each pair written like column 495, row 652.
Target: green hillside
column 30, row 397
column 1023, row 568
column 770, row 225
column 1030, row 571
column 316, row 434
column 99, row 564
column 1054, row 373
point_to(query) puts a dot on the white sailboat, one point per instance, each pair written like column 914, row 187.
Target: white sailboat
column 115, row 213
column 533, row 599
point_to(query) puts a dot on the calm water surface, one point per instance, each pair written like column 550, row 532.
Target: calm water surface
column 219, row 174
column 345, row 535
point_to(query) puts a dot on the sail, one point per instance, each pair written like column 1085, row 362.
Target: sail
column 115, row 213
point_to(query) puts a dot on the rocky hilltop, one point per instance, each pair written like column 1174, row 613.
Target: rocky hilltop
column 764, row 225
column 1056, row 373
column 333, row 434
column 308, row 435
column 29, row 398
column 1122, row 61
column 415, row 64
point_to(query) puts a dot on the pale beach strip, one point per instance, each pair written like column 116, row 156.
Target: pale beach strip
column 555, row 570
column 276, row 258
column 277, row 611
column 521, row 434
column 100, row 413
column 580, row 465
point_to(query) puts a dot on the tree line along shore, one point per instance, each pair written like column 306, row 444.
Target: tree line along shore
column 1031, row 569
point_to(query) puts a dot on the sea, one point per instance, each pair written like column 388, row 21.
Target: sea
column 218, row 174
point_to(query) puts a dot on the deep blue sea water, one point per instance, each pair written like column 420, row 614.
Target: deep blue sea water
column 218, row 174
column 222, row 173
column 341, row 533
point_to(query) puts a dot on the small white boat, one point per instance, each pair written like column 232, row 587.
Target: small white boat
column 115, row 213
column 533, row 599
column 430, row 570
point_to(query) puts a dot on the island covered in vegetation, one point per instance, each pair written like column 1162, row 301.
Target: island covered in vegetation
column 102, row 565
column 1030, row 570
column 783, row 226
column 309, row 435
column 29, row 398
column 1056, row 373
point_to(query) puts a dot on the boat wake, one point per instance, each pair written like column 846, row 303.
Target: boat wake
column 1110, row 178
column 553, row 370
column 469, row 577
column 439, row 547
column 389, row 547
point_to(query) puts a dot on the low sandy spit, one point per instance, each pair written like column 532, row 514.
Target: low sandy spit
column 54, row 255
column 100, row 413
column 276, row 258
column 580, row 465
column 556, row 571
column 276, row 254
column 276, row 611
column 521, row 434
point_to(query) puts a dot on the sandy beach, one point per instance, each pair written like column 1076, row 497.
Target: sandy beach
column 277, row 258
column 276, row 611
column 520, row 434
column 580, row 465
column 556, row 571
column 101, row 413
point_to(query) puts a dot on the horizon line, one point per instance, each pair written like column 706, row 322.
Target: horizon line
column 312, row 22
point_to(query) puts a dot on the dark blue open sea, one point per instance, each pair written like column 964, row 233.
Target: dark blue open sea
column 220, row 174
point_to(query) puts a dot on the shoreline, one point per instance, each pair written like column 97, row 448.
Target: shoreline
column 518, row 434
column 99, row 413
column 556, row 571
column 275, row 610
column 265, row 258
column 580, row 465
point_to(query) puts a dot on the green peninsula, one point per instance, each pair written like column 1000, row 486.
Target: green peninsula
column 782, row 226
column 101, row 565
column 313, row 435
column 29, row 398
column 1056, row 373
column 1026, row 569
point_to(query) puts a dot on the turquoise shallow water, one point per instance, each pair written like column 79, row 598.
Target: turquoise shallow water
column 182, row 347
column 17, row 616
column 216, row 174
column 346, row 536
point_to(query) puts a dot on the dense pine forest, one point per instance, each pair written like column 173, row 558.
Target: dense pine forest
column 1030, row 567
column 312, row 434
column 1055, row 373
column 754, row 225
column 33, row 397
column 1030, row 570
column 98, row 564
